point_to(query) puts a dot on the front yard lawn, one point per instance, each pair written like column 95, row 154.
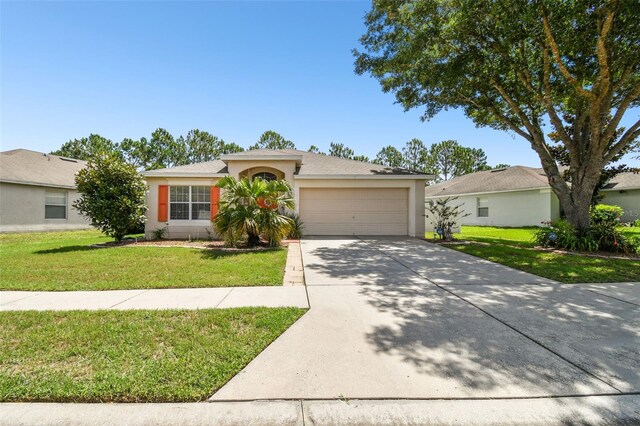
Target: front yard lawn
column 66, row 261
column 514, row 247
column 131, row 356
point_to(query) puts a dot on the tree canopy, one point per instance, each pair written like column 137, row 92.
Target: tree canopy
column 273, row 140
column 87, row 148
column 159, row 151
column 530, row 67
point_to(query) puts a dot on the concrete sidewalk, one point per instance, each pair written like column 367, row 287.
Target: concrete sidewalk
column 621, row 409
column 182, row 298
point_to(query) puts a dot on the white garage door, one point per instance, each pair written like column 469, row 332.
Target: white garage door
column 354, row 211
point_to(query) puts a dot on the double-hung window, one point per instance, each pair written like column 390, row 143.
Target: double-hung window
column 483, row 207
column 190, row 202
column 55, row 205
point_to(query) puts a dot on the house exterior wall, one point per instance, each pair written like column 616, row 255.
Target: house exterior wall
column 199, row 229
column 514, row 208
column 178, row 229
column 22, row 209
column 629, row 201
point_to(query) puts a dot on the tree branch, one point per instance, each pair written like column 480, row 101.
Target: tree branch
column 558, row 59
column 604, row 79
column 622, row 108
column 546, row 98
column 629, row 136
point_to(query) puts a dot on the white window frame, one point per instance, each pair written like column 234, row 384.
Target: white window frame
column 189, row 203
column 261, row 174
column 482, row 203
column 65, row 205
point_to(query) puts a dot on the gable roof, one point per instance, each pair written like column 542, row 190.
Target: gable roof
column 27, row 167
column 623, row 182
column 515, row 178
column 309, row 165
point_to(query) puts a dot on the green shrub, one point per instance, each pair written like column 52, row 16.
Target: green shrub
column 605, row 221
column 603, row 233
column 297, row 226
column 603, row 213
column 112, row 195
column 562, row 234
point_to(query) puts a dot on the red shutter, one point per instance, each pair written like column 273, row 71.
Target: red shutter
column 163, row 203
column 215, row 201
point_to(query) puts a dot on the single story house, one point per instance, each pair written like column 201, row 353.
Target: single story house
column 624, row 191
column 333, row 196
column 521, row 196
column 37, row 192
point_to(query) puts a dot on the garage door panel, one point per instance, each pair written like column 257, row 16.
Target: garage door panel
column 354, row 211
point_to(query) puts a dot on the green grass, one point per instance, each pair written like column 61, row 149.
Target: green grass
column 66, row 261
column 514, row 247
column 131, row 356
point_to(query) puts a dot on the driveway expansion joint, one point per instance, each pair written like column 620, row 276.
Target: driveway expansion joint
column 613, row 297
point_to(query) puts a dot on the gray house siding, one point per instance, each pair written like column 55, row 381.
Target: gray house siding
column 22, row 209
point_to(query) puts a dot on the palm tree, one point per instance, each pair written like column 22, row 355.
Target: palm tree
column 254, row 208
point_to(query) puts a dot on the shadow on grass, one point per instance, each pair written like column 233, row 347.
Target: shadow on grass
column 214, row 254
column 66, row 249
column 489, row 240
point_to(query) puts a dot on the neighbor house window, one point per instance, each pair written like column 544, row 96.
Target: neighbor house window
column 55, row 205
column 483, row 207
column 265, row 176
column 190, row 202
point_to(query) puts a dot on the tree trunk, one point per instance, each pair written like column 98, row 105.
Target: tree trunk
column 575, row 199
column 577, row 212
column 252, row 239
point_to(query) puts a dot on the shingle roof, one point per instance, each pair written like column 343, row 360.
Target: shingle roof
column 623, row 181
column 36, row 168
column 310, row 165
column 513, row 178
column 197, row 169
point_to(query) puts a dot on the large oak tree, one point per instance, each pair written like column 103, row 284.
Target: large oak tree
column 553, row 71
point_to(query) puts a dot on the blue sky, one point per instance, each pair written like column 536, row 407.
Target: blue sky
column 235, row 69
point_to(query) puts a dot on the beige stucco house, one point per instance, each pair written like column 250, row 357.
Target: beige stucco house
column 521, row 196
column 333, row 196
column 37, row 192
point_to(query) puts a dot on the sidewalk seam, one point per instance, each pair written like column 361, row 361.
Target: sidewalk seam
column 22, row 298
column 224, row 298
column 128, row 298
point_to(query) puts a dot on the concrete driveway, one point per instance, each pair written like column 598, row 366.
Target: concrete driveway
column 402, row 318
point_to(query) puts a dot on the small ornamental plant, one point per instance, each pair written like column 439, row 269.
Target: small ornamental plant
column 444, row 216
column 254, row 209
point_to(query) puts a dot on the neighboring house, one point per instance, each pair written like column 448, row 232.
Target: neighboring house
column 37, row 192
column 624, row 191
column 521, row 196
column 333, row 196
